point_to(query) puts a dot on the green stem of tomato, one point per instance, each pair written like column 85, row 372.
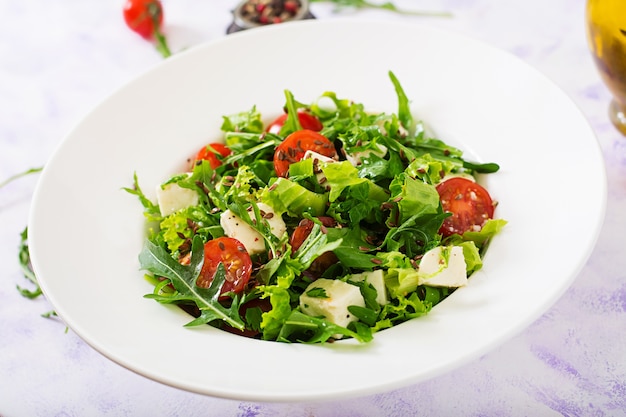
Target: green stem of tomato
column 155, row 13
column 161, row 44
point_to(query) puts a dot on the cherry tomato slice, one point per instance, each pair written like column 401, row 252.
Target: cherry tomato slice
column 209, row 154
column 303, row 230
column 236, row 260
column 293, row 148
column 470, row 204
column 307, row 121
column 144, row 17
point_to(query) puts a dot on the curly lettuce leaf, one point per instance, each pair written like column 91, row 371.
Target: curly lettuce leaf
column 248, row 121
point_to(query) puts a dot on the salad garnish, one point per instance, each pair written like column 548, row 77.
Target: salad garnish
column 328, row 222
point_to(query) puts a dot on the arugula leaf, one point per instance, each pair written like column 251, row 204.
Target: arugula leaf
column 306, row 329
column 151, row 210
column 416, row 218
column 292, row 123
column 317, row 293
column 366, row 315
column 484, row 168
column 404, row 109
column 353, row 251
column 27, row 268
column 20, row 175
column 158, row 261
column 315, row 245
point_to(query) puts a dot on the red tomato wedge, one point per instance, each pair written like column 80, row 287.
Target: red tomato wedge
column 307, row 121
column 209, row 154
column 236, row 260
column 470, row 204
column 144, row 17
column 293, row 148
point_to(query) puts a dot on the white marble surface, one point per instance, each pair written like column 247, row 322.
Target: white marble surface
column 58, row 59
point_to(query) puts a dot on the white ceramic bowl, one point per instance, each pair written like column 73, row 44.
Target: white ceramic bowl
column 86, row 233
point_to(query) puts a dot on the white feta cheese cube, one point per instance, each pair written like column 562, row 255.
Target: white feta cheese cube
column 253, row 241
column 377, row 280
column 356, row 158
column 172, row 197
column 331, row 300
column 317, row 158
column 443, row 267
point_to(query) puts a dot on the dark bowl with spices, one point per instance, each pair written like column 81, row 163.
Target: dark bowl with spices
column 255, row 13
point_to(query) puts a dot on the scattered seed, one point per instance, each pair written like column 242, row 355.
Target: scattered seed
column 370, row 239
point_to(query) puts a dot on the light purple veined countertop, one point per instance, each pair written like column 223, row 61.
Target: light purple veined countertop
column 59, row 59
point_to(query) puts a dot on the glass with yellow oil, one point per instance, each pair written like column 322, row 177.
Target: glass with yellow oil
column 606, row 33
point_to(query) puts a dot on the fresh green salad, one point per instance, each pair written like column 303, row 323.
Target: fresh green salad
column 329, row 222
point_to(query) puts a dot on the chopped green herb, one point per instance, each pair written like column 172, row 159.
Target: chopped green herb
column 317, row 293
